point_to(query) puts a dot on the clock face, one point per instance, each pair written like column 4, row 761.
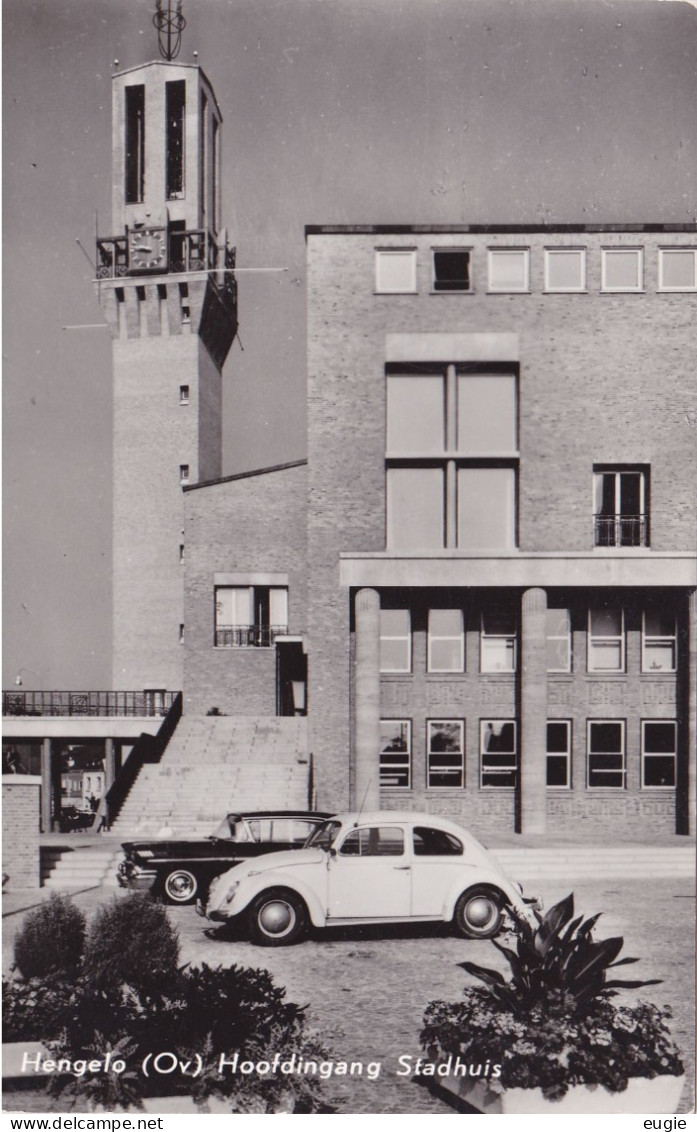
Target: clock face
column 147, row 249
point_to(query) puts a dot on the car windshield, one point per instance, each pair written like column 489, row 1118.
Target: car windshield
column 324, row 836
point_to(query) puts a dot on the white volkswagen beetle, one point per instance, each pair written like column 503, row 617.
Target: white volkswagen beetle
column 371, row 868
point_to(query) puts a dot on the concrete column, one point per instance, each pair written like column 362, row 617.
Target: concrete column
column 367, row 756
column 533, row 713
column 109, row 764
column 691, row 784
column 46, row 786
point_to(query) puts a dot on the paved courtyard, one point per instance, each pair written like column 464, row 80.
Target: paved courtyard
column 366, row 989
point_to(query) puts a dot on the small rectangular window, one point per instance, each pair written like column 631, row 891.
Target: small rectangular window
column 415, row 508
column 445, row 755
column 558, row 640
column 184, row 304
column 181, row 634
column 498, row 753
column 509, row 269
column 395, row 754
column 659, row 642
column 498, row 642
column 606, row 753
column 175, row 98
column 606, row 640
column 621, row 506
column 622, row 269
column 135, row 144
column 415, row 415
column 395, row 640
column 395, row 271
column 183, row 394
column 658, row 752
column 565, row 269
column 451, row 269
column 486, row 508
column 677, row 269
column 446, row 640
column 487, row 414
column 183, row 473
column 250, row 616
column 559, row 754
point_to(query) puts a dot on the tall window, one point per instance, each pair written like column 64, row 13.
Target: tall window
column 558, row 640
column 395, row 754
column 498, row 642
column 658, row 752
column 659, row 641
column 250, row 616
column 446, row 640
column 559, row 754
column 452, row 444
column 498, row 757
column 606, row 753
column 445, row 755
column 606, row 640
column 395, row 640
column 175, row 98
column 135, row 144
column 621, row 506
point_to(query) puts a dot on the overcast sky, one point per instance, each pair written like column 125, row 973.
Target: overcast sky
column 342, row 111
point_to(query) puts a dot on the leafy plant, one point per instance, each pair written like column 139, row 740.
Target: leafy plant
column 51, row 939
column 131, row 941
column 553, row 1024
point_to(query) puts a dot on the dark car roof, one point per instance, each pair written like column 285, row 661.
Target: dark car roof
column 318, row 815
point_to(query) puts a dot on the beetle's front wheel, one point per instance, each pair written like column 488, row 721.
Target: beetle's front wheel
column 277, row 917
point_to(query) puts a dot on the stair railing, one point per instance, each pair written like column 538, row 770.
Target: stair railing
column 146, row 749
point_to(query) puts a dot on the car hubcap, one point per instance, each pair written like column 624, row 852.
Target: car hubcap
column 180, row 886
column 276, row 917
column 480, row 912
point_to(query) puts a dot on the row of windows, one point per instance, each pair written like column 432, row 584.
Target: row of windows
column 498, row 640
column 508, row 270
column 606, row 756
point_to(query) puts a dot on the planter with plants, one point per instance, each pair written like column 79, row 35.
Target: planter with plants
column 550, row 1038
column 113, row 997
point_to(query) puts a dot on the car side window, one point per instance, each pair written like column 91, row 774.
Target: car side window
column 436, row 843
column 373, row 841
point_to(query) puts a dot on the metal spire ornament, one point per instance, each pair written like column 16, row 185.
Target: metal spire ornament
column 170, row 24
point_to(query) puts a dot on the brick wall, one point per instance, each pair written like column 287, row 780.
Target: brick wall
column 248, row 524
column 21, row 798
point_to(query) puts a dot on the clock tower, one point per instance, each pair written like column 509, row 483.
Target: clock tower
column 166, row 284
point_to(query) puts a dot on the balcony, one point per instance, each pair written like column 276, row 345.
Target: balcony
column 621, row 530
column 248, row 636
column 193, row 250
column 95, row 704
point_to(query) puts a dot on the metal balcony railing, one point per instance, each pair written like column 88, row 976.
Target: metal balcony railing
column 248, row 636
column 621, row 530
column 193, row 250
column 151, row 703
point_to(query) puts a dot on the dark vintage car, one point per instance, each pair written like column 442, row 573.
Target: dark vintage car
column 179, row 869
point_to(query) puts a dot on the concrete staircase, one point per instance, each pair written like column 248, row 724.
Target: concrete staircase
column 82, row 867
column 215, row 764
column 579, row 862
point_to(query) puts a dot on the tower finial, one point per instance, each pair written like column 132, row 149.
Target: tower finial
column 170, row 24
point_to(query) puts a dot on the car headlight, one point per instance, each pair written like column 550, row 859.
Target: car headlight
column 231, row 891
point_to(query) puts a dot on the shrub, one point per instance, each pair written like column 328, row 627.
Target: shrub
column 131, row 941
column 35, row 1008
column 51, row 939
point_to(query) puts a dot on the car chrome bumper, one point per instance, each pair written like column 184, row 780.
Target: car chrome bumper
column 135, row 878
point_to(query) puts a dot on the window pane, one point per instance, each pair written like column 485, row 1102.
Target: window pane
column 486, row 415
column 558, row 622
column 660, row 657
column 659, row 624
column 557, row 770
column 558, row 659
column 605, row 737
column 445, row 622
column 605, row 657
column 394, row 735
column 414, row 508
column 445, row 735
column 508, row 270
column 395, row 622
column 557, row 738
column 435, row 843
column 606, row 622
column 415, row 414
column 451, row 270
column 498, row 736
column 659, row 770
column 498, row 655
column 445, row 656
column 565, row 270
column 395, row 640
column 445, row 640
column 678, row 268
column 659, row 738
column 395, row 270
column 622, row 270
column 486, row 508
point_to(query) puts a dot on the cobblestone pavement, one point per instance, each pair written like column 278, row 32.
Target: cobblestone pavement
column 366, row 989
